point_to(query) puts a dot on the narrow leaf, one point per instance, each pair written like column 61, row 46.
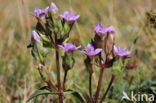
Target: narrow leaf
column 41, row 91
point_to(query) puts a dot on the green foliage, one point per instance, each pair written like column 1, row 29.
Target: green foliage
column 41, row 91
column 39, row 52
column 77, row 96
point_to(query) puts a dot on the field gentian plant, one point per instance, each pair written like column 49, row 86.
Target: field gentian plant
column 53, row 31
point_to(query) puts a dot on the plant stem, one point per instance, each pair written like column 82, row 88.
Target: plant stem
column 90, row 87
column 58, row 70
column 109, row 86
column 99, row 85
column 58, row 75
column 64, row 81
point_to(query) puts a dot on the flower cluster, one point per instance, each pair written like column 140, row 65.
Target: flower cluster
column 53, row 31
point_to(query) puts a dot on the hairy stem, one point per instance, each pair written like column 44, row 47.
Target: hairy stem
column 109, row 86
column 99, row 85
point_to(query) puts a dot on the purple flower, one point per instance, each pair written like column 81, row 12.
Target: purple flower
column 121, row 52
column 40, row 13
column 69, row 16
column 100, row 30
column 90, row 51
column 35, row 36
column 69, row 47
column 53, row 8
column 110, row 29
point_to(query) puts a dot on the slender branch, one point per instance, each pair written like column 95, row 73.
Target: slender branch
column 64, row 80
column 90, row 87
column 109, row 86
column 99, row 85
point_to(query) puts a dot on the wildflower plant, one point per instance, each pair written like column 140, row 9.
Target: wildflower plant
column 53, row 31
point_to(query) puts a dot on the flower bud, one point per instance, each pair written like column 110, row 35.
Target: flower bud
column 35, row 36
column 53, row 8
column 99, row 41
column 68, row 61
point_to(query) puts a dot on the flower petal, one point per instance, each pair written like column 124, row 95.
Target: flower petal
column 97, row 51
column 61, row 46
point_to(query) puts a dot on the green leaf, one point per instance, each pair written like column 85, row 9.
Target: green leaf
column 41, row 91
column 75, row 94
column 83, row 92
column 153, row 89
column 46, row 42
column 39, row 52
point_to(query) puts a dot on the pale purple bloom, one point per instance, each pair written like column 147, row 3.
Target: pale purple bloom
column 100, row 30
column 53, row 8
column 90, row 51
column 110, row 29
column 40, row 13
column 35, row 36
column 69, row 47
column 121, row 52
column 69, row 16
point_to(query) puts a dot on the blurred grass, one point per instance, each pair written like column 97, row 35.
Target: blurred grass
column 18, row 74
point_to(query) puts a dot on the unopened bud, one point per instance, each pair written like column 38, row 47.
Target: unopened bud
column 68, row 61
column 53, row 8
